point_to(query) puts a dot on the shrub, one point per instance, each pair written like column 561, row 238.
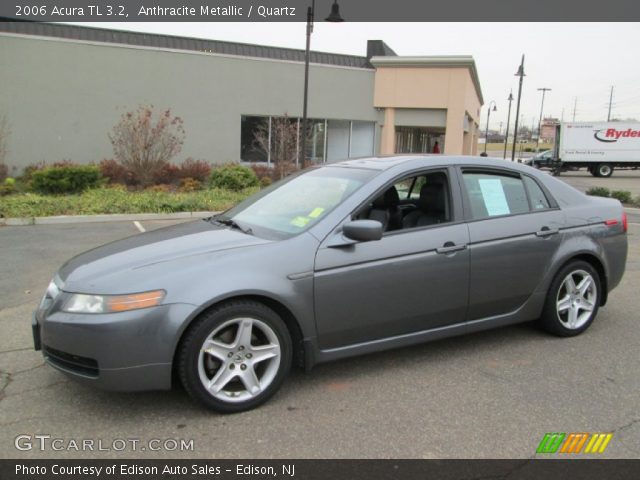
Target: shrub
column 599, row 192
column 167, row 174
column 8, row 186
column 190, row 185
column 30, row 169
column 233, row 177
column 55, row 180
column 144, row 141
column 262, row 171
column 4, row 171
column 265, row 181
column 623, row 195
column 114, row 172
column 195, row 169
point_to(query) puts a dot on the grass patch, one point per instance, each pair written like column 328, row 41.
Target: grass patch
column 114, row 200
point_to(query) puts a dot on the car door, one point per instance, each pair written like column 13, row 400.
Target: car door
column 514, row 229
column 413, row 279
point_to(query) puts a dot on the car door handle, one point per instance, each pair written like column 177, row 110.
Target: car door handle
column 450, row 247
column 546, row 232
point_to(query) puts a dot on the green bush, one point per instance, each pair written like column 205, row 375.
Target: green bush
column 623, row 195
column 599, row 192
column 67, row 179
column 8, row 186
column 233, row 177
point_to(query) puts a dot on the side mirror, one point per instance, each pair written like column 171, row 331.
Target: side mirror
column 362, row 230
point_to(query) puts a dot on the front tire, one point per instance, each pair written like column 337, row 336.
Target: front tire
column 235, row 356
column 572, row 300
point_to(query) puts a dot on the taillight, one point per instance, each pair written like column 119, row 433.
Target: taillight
column 625, row 222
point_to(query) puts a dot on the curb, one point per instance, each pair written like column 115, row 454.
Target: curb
column 118, row 217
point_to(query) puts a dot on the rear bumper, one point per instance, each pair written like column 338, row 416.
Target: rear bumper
column 129, row 351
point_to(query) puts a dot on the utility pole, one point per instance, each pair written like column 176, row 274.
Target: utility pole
column 575, row 105
column 543, row 90
column 520, row 73
column 610, row 101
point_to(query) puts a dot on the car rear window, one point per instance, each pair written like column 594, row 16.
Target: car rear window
column 492, row 195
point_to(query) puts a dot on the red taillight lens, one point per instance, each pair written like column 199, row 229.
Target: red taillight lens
column 625, row 222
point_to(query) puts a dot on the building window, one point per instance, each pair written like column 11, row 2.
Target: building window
column 418, row 139
column 271, row 139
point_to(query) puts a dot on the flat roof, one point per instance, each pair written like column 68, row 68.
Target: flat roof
column 123, row 37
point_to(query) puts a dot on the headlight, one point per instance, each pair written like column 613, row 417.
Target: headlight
column 82, row 303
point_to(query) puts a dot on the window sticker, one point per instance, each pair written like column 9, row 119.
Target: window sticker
column 316, row 212
column 300, row 222
column 493, row 196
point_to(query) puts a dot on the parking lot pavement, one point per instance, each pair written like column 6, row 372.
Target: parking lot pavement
column 487, row 395
column 628, row 180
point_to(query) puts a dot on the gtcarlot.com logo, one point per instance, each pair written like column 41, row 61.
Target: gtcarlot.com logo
column 574, row 442
column 44, row 442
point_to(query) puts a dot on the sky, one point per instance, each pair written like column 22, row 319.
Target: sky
column 580, row 62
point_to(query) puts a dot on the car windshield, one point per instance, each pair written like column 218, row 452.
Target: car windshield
column 295, row 204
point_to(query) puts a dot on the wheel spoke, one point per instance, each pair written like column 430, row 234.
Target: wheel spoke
column 221, row 378
column 564, row 304
column 586, row 305
column 570, row 283
column 264, row 352
column 243, row 336
column 584, row 285
column 250, row 380
column 573, row 317
column 217, row 349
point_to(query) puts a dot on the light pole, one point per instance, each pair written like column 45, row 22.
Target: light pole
column 519, row 73
column 486, row 130
column 334, row 16
column 543, row 90
column 506, row 135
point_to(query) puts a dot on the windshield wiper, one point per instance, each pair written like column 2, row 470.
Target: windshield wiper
column 232, row 223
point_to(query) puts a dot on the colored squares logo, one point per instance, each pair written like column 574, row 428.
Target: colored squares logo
column 574, row 442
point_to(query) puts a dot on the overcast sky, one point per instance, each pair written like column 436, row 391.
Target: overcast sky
column 575, row 60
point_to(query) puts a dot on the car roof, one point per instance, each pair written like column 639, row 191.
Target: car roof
column 386, row 162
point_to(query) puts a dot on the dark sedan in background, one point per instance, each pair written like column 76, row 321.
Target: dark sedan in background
column 340, row 260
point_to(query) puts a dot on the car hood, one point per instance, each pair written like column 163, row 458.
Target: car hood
column 175, row 243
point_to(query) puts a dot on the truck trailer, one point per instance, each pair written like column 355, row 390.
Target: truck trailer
column 598, row 147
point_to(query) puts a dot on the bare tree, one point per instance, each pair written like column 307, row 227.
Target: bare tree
column 145, row 142
column 283, row 144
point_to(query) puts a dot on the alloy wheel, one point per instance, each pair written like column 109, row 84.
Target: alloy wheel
column 239, row 360
column 576, row 299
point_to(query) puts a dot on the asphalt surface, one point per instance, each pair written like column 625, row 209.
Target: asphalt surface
column 488, row 395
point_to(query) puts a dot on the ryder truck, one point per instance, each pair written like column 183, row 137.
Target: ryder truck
column 598, row 147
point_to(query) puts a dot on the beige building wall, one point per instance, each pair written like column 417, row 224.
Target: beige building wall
column 448, row 83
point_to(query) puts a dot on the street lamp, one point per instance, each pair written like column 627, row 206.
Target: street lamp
column 486, row 131
column 520, row 73
column 506, row 135
column 334, row 16
column 543, row 90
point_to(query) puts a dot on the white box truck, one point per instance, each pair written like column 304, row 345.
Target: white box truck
column 598, row 147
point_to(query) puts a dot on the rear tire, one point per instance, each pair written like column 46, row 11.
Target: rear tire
column 572, row 300
column 235, row 356
column 603, row 170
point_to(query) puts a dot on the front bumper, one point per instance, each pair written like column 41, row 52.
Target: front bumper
column 128, row 351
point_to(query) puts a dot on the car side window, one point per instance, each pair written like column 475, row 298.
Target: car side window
column 410, row 202
column 536, row 195
column 492, row 195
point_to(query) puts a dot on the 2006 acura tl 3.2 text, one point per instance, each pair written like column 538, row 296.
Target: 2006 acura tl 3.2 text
column 335, row 261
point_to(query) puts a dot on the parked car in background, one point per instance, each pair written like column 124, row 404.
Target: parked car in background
column 336, row 261
column 542, row 159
